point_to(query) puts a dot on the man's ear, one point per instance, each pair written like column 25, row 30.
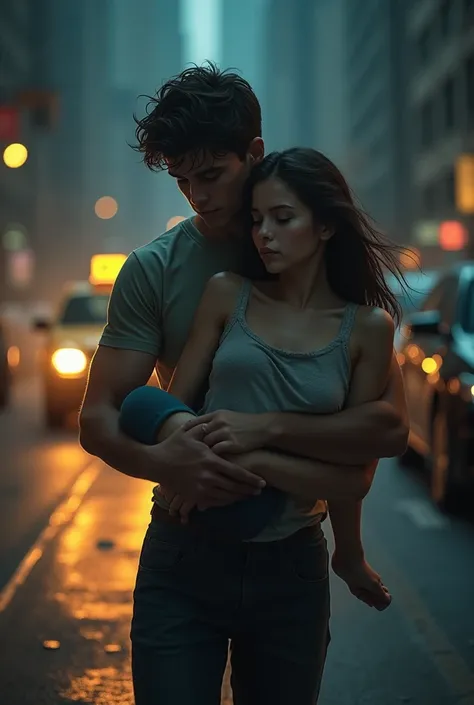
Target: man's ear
column 256, row 150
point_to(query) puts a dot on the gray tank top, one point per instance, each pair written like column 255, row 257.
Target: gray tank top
column 250, row 376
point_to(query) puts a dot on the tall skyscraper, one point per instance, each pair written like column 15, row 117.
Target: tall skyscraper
column 288, row 95
column 330, row 120
column 441, row 109
column 99, row 57
column 242, row 27
column 377, row 67
column 17, row 185
column 146, row 50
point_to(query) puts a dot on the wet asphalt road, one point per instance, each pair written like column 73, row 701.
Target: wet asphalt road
column 70, row 536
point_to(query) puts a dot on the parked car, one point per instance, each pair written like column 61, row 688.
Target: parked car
column 436, row 350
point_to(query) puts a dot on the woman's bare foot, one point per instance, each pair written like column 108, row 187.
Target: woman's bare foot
column 363, row 582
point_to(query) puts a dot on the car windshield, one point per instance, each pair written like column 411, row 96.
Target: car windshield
column 85, row 310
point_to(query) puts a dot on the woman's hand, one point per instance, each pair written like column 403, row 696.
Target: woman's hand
column 232, row 432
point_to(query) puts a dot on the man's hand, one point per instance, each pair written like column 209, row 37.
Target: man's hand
column 230, row 432
column 190, row 469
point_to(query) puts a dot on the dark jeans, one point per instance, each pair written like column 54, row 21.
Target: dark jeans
column 194, row 593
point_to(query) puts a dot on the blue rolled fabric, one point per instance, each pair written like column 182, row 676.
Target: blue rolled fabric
column 143, row 412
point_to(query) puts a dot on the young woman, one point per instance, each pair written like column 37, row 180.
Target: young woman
column 313, row 335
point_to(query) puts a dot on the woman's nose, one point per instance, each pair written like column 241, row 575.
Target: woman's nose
column 264, row 231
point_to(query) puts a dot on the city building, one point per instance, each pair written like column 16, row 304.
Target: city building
column 441, row 108
column 146, row 49
column 242, row 27
column 330, row 121
column 99, row 58
column 288, row 56
column 17, row 185
column 377, row 66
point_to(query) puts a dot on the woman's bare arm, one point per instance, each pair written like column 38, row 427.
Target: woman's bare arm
column 194, row 366
column 374, row 339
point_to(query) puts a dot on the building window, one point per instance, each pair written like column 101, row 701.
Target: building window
column 427, row 125
column 429, row 200
column 446, row 17
column 450, row 189
column 469, row 83
column 468, row 11
column 449, row 104
column 424, row 46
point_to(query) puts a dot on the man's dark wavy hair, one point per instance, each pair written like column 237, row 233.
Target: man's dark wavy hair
column 202, row 110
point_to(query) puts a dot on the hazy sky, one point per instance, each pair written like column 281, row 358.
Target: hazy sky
column 200, row 24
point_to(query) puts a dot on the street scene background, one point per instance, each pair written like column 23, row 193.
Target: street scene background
column 385, row 88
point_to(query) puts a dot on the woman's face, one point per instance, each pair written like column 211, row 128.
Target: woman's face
column 283, row 229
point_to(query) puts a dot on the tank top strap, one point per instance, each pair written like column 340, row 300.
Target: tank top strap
column 240, row 306
column 243, row 299
column 348, row 319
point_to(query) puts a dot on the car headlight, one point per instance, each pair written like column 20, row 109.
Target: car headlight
column 69, row 361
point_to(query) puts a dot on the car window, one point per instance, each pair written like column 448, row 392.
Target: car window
column 449, row 299
column 443, row 298
column 432, row 301
column 85, row 310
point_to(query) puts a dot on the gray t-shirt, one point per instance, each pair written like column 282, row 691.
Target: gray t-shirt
column 157, row 292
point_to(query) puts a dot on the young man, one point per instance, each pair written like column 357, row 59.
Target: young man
column 205, row 128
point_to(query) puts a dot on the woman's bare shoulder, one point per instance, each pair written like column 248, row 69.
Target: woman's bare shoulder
column 225, row 281
column 222, row 290
column 374, row 325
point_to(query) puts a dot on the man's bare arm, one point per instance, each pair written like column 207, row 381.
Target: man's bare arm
column 115, row 373
column 182, row 462
column 377, row 429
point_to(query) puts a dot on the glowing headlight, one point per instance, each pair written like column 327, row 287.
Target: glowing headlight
column 69, row 361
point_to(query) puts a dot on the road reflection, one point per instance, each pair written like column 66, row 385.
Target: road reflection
column 96, row 575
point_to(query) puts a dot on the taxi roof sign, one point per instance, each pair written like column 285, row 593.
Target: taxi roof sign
column 105, row 268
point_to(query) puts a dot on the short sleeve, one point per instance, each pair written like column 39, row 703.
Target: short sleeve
column 134, row 312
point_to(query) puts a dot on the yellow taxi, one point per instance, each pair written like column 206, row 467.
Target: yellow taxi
column 72, row 338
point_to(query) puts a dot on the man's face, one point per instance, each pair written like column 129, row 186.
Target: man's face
column 213, row 185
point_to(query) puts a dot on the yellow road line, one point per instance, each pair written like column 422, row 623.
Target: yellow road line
column 62, row 515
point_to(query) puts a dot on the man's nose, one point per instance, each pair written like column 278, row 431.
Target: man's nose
column 199, row 196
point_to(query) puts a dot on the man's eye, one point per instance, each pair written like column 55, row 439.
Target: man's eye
column 283, row 219
column 256, row 222
column 210, row 177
